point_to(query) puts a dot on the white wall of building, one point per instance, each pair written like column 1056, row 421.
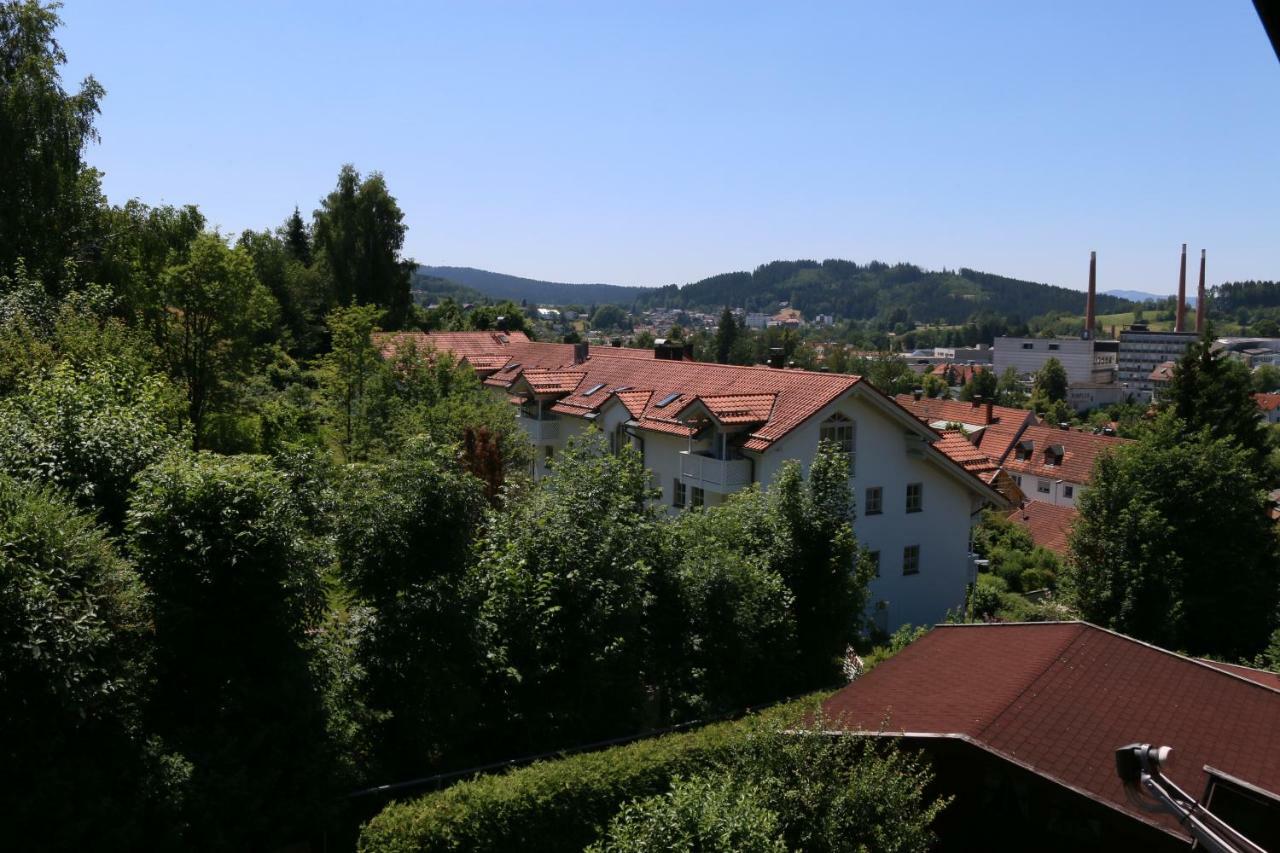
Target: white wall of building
column 882, row 459
column 1027, row 355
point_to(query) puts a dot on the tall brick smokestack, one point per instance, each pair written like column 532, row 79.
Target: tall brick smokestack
column 1202, row 309
column 1179, row 323
column 1089, row 308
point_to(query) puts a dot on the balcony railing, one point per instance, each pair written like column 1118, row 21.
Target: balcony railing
column 544, row 430
column 715, row 475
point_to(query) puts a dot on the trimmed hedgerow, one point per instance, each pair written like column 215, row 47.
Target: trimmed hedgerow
column 561, row 804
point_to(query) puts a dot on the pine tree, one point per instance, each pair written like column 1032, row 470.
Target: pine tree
column 297, row 238
column 726, row 336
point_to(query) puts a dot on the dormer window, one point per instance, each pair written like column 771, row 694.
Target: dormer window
column 1053, row 454
column 1024, row 450
column 841, row 431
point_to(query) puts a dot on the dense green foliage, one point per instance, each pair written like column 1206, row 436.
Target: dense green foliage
column 223, row 546
column 74, row 668
column 1174, row 544
column 817, row 793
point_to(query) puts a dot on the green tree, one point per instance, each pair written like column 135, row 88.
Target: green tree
column 404, row 537
column 705, row 814
column 48, row 196
column 610, row 317
column 75, row 656
column 88, row 431
column 297, row 238
column 353, row 379
column 1266, row 378
column 1009, row 390
column 1050, row 384
column 130, row 256
column 232, row 570
column 215, row 305
column 1213, row 392
column 935, row 386
column 358, row 234
column 567, row 575
column 1163, row 516
column 726, row 336
column 982, row 383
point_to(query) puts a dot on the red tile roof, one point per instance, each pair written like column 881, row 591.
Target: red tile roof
column 458, row 343
column 771, row 401
column 964, row 453
column 961, row 373
column 1163, row 372
column 1060, row 698
column 933, row 409
column 1079, row 452
column 1267, row 402
column 553, row 381
column 1048, row 524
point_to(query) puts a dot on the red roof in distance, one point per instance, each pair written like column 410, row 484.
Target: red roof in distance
column 1048, row 524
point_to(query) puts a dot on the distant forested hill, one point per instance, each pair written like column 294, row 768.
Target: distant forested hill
column 866, row 291
column 430, row 288
column 1232, row 296
column 498, row 286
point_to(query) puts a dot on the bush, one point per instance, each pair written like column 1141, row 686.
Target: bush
column 714, row 813
column 555, row 805
column 987, row 595
column 827, row 793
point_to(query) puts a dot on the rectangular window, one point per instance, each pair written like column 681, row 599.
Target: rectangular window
column 549, row 452
column 841, row 432
column 1053, row 346
column 677, row 493
column 699, row 497
column 911, row 560
column 1043, row 487
column 1028, row 346
column 875, row 501
column 874, row 556
column 915, row 497
column 1068, row 491
column 1017, row 479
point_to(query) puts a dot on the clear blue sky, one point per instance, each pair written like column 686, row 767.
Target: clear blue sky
column 649, row 143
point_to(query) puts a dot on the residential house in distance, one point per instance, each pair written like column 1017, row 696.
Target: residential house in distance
column 1269, row 406
column 1048, row 464
column 1048, row 525
column 1160, row 379
column 1021, row 723
column 706, row 431
column 1055, row 465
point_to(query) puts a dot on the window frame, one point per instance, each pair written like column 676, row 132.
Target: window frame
column 1044, row 487
column 833, row 429
column 875, row 558
column 878, row 507
column 911, row 557
column 697, row 497
column 919, row 497
column 679, row 493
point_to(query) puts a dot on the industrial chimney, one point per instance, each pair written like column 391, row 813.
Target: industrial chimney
column 1202, row 309
column 1089, row 307
column 1179, row 323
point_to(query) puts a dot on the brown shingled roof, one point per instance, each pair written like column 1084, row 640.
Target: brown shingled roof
column 1048, row 524
column 1060, row 698
column 1267, row 402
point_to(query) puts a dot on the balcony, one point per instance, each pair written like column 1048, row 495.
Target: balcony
column 541, row 430
column 714, row 475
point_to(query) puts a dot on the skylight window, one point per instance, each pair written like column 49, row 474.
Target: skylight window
column 667, row 400
column 622, row 388
column 593, row 389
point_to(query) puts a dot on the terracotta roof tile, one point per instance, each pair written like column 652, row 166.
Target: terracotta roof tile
column 933, row 409
column 964, row 453
column 1267, row 402
column 553, row 381
column 1060, row 698
column 1080, row 450
column 1048, row 524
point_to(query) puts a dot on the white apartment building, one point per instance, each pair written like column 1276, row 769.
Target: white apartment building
column 706, row 431
column 1028, row 355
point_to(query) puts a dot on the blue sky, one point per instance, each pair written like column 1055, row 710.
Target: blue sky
column 649, row 143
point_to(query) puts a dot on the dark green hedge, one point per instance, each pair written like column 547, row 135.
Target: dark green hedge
column 557, row 805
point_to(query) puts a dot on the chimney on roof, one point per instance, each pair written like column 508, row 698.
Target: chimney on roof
column 1202, row 308
column 502, row 324
column 990, row 407
column 917, row 393
column 1180, row 316
column 581, row 352
column 1089, row 307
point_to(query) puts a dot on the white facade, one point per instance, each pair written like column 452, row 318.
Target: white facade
column 1028, row 355
column 891, row 453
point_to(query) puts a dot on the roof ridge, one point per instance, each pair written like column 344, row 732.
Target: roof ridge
column 1057, row 655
